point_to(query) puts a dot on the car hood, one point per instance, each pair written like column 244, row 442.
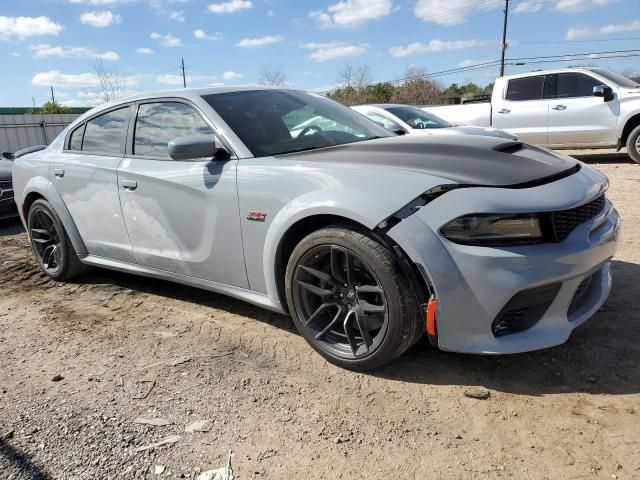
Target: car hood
column 488, row 131
column 475, row 160
column 5, row 170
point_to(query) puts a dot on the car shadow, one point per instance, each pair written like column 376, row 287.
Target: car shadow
column 10, row 226
column 601, row 356
column 19, row 463
column 605, row 158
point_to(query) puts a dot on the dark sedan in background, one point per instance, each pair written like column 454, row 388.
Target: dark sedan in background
column 7, row 204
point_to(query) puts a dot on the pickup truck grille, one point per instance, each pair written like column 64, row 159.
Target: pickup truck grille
column 565, row 221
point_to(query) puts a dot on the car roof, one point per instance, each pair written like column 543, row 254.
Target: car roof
column 555, row 70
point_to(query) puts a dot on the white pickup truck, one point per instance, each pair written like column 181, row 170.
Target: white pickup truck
column 568, row 108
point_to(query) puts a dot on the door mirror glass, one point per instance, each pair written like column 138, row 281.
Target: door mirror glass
column 603, row 91
column 192, row 147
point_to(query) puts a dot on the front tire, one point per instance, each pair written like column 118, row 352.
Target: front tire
column 50, row 243
column 350, row 300
column 633, row 144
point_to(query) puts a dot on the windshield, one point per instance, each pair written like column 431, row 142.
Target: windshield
column 417, row 118
column 616, row 78
column 273, row 122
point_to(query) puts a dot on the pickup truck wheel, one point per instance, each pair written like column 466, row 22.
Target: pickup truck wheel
column 350, row 299
column 633, row 144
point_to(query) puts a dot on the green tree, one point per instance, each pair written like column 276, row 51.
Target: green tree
column 50, row 107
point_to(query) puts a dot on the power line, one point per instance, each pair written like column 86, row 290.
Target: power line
column 577, row 41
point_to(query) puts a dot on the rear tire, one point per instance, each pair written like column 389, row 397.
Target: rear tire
column 50, row 243
column 350, row 299
column 633, row 144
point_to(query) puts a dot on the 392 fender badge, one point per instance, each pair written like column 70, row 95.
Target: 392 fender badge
column 256, row 216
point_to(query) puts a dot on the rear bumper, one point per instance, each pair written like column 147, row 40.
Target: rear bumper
column 474, row 284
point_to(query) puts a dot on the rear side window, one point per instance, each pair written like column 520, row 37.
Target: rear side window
column 106, row 133
column 75, row 142
column 158, row 123
column 568, row 85
column 383, row 121
column 528, row 88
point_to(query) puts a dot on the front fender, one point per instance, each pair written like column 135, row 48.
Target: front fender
column 357, row 206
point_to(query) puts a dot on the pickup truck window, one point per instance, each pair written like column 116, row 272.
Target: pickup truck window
column 570, row 85
column 527, row 88
column 616, row 78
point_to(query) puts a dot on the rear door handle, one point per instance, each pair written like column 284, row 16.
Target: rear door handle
column 504, row 110
column 559, row 107
column 129, row 184
column 58, row 172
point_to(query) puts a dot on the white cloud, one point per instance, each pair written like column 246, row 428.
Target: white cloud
column 19, row 28
column 452, row 12
column 171, row 79
column 434, row 46
column 57, row 79
column 581, row 32
column 16, row 54
column 47, row 51
column 352, row 13
column 100, row 19
column 177, row 15
column 529, row 6
column 259, row 42
column 145, row 51
column 230, row 75
column 324, row 51
column 471, row 63
column 231, row 6
column 168, row 40
column 202, row 35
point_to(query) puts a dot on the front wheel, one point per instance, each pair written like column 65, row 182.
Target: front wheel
column 350, row 299
column 633, row 144
column 51, row 244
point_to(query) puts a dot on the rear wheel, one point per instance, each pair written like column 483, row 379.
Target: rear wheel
column 633, row 144
column 51, row 244
column 350, row 299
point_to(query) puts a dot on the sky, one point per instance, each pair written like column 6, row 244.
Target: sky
column 56, row 42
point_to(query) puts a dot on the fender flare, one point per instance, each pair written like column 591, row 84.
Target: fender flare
column 44, row 188
column 371, row 210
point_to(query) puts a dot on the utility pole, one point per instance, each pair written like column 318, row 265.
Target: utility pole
column 504, row 36
column 53, row 98
column 184, row 77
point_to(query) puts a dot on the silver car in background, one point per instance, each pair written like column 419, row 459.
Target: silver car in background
column 405, row 119
column 368, row 239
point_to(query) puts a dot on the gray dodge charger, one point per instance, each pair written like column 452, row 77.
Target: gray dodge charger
column 369, row 240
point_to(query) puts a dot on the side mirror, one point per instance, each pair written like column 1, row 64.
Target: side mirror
column 7, row 155
column 400, row 131
column 193, row 147
column 604, row 91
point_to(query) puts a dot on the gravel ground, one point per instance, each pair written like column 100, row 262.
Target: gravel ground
column 83, row 363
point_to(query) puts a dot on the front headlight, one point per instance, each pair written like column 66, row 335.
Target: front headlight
column 494, row 229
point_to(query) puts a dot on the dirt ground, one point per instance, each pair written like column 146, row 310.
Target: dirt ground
column 131, row 347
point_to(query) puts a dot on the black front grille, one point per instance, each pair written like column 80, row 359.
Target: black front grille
column 6, row 191
column 565, row 221
column 524, row 310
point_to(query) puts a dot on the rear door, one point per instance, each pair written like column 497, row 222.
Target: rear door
column 576, row 117
column 182, row 216
column 85, row 176
column 522, row 110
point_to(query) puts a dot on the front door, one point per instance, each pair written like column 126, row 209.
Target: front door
column 522, row 110
column 576, row 117
column 182, row 216
column 85, row 176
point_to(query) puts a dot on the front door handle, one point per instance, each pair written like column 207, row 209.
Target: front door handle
column 129, row 184
column 559, row 107
column 58, row 172
column 504, row 110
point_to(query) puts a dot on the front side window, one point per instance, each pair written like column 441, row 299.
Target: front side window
column 158, row 123
column 416, row 118
column 527, row 88
column 568, row 85
column 75, row 142
column 106, row 133
column 273, row 122
column 383, row 121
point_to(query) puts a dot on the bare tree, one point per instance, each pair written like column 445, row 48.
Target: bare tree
column 112, row 83
column 273, row 76
column 353, row 84
column 416, row 88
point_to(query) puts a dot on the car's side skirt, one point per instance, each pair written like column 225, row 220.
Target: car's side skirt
column 249, row 296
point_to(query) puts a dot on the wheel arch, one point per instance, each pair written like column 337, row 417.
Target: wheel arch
column 631, row 123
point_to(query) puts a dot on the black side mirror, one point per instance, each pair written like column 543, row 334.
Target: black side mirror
column 400, row 131
column 7, row 155
column 193, row 147
column 604, row 91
